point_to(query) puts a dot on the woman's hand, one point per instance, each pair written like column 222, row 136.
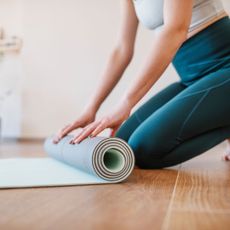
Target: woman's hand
column 112, row 120
column 227, row 151
column 85, row 118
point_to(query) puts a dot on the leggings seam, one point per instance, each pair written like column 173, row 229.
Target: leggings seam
column 212, row 87
column 190, row 115
column 138, row 118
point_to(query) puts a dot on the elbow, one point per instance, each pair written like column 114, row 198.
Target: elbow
column 178, row 34
column 182, row 33
column 128, row 56
column 124, row 53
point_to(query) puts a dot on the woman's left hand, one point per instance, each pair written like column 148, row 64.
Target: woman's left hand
column 112, row 120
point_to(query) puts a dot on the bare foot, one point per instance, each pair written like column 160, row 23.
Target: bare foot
column 227, row 151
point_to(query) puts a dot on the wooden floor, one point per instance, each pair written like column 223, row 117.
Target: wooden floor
column 194, row 195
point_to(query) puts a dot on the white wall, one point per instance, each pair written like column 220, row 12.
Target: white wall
column 10, row 69
column 66, row 44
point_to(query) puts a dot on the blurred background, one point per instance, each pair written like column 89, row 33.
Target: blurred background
column 52, row 54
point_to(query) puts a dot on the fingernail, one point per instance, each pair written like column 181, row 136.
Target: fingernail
column 76, row 141
column 71, row 141
column 55, row 141
column 226, row 158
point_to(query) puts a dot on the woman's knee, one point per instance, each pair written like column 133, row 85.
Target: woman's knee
column 122, row 133
column 146, row 158
column 148, row 153
column 128, row 127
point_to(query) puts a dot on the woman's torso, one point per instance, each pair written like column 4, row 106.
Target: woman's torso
column 205, row 12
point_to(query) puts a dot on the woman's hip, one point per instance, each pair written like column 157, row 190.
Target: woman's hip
column 205, row 53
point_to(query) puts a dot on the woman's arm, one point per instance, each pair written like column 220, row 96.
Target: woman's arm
column 117, row 63
column 120, row 56
column 177, row 17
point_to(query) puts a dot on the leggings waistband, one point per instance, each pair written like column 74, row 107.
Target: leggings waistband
column 206, row 52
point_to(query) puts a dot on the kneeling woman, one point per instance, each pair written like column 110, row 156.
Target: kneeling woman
column 187, row 117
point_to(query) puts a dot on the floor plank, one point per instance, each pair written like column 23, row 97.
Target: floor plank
column 198, row 220
column 202, row 194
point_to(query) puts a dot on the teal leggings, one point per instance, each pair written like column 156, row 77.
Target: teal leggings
column 192, row 115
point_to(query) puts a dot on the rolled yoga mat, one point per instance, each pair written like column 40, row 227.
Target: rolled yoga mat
column 96, row 160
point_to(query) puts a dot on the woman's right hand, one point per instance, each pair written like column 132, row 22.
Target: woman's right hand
column 227, row 151
column 84, row 119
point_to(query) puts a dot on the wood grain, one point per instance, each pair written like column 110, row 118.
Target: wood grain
column 202, row 195
column 199, row 220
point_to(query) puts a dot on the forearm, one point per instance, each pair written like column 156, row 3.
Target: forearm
column 165, row 45
column 116, row 65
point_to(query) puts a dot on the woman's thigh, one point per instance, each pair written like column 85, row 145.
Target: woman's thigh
column 148, row 108
column 201, row 107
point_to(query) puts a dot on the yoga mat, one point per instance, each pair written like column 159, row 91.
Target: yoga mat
column 96, row 160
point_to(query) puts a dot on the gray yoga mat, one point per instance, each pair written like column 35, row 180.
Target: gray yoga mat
column 96, row 160
column 111, row 159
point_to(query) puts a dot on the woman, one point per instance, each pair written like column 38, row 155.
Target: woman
column 186, row 118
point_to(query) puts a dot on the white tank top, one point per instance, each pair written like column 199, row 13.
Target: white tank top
column 150, row 12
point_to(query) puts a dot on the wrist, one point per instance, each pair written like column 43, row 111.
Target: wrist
column 128, row 102
column 93, row 108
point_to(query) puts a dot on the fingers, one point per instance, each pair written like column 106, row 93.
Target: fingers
column 91, row 130
column 57, row 137
column 85, row 132
column 99, row 128
column 227, row 157
column 66, row 130
column 114, row 130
